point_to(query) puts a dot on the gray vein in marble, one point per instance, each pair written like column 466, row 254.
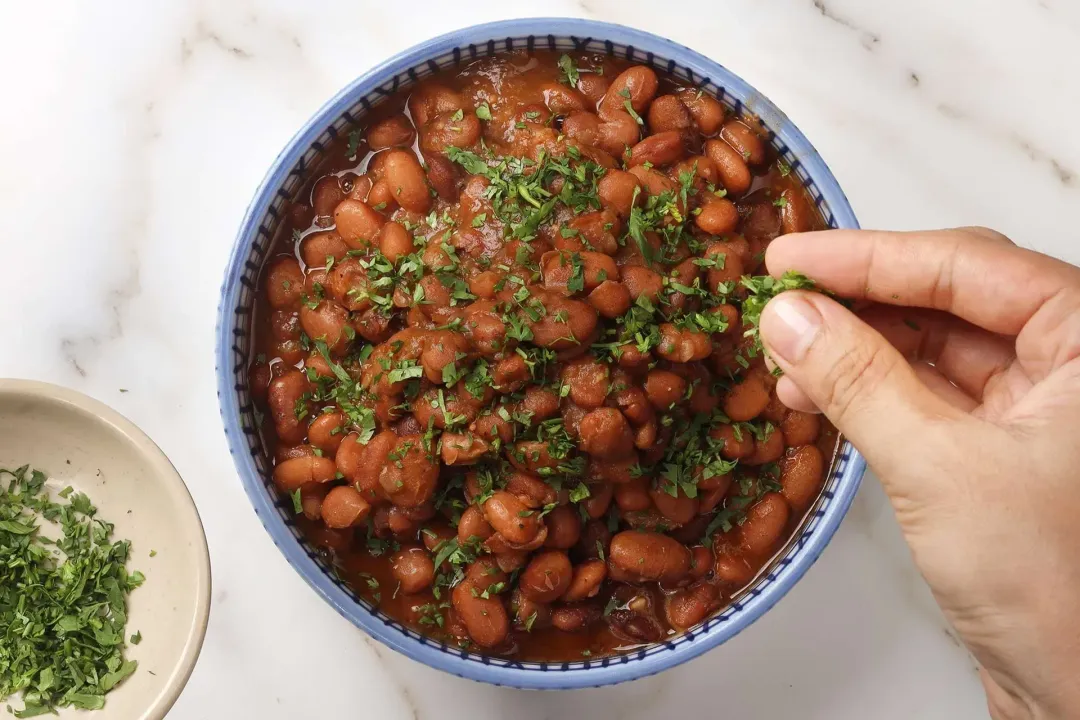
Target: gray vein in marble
column 869, row 39
column 203, row 34
column 1064, row 174
column 406, row 694
column 75, row 348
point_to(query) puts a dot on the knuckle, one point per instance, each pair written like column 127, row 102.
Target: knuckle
column 855, row 372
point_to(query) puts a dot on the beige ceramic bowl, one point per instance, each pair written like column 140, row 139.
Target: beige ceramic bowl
column 80, row 442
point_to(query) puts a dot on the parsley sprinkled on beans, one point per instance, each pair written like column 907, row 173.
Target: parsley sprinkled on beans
column 510, row 365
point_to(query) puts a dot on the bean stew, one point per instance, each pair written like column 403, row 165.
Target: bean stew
column 508, row 359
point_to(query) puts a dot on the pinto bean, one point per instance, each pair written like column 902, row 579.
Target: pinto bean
column 394, row 131
column 589, row 381
column 617, row 191
column 566, row 324
column 299, row 471
column 738, row 443
column 610, row 298
column 617, row 132
column 448, row 130
column 547, row 576
column 533, row 456
column 668, row 113
column 395, row 241
column 633, row 495
column 561, row 99
column 800, row 428
column 731, row 269
column 802, row 471
column 285, row 396
column 541, row 402
column 642, row 281
column 431, row 99
column 766, row 450
column 473, row 524
column 606, row 435
column 511, row 518
column 762, row 224
column 687, row 607
column 357, row 224
column 663, row 148
column 564, row 528
column 599, row 500
column 284, row 284
column 730, row 166
column 649, row 556
column 677, row 508
column 486, row 284
column 485, row 619
column 637, row 85
column 529, row 615
column 718, row 216
column 410, row 475
column 597, row 231
column 318, row 247
column 707, row 111
column 746, row 399
column 561, row 269
column 326, row 194
column 484, row 327
column 344, row 507
column 701, row 561
column 326, row 322
column 665, row 389
column 574, row 618
column 593, row 86
column 531, row 490
column 407, row 181
column 587, row 578
column 327, row 431
column 652, row 181
column 442, row 175
column 413, row 568
column 582, row 126
column 732, row 568
column 634, row 404
column 745, row 141
column 681, row 345
column 462, row 449
column 765, row 523
column 442, row 348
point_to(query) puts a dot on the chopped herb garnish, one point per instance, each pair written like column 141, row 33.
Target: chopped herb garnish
column 570, row 74
column 63, row 603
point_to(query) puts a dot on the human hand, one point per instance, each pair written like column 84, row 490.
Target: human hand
column 962, row 390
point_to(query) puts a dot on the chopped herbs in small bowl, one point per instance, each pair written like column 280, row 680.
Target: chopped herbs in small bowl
column 104, row 571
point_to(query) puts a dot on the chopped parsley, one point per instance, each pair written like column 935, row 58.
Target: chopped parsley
column 63, row 603
column 570, row 74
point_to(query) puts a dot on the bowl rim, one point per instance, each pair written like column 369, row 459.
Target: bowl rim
column 623, row 668
column 167, row 474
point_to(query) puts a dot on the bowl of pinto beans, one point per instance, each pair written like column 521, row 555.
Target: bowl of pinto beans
column 488, row 360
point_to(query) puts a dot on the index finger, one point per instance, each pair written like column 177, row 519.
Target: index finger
column 967, row 273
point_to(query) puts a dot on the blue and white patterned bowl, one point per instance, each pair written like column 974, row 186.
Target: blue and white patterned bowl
column 304, row 151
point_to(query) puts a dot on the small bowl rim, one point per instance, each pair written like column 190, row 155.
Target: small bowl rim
column 166, row 473
column 554, row 675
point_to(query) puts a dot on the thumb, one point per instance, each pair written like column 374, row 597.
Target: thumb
column 854, row 376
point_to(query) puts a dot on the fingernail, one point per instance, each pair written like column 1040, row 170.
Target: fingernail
column 789, row 326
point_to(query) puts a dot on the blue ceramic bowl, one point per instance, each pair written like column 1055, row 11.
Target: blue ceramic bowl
column 304, row 151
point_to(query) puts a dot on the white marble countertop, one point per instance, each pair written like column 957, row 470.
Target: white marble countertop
column 134, row 134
